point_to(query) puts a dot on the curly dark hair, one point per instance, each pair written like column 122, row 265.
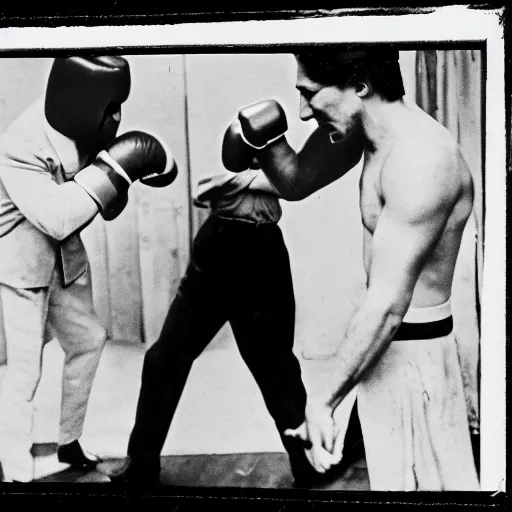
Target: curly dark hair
column 342, row 67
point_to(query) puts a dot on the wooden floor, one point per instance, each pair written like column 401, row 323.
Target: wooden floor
column 252, row 482
column 240, row 470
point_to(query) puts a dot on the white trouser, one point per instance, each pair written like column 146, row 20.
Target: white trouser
column 31, row 318
column 413, row 415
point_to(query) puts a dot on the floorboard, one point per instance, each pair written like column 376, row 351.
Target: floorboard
column 239, row 470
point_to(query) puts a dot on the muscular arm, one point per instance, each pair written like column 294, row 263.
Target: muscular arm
column 319, row 163
column 57, row 210
column 418, row 203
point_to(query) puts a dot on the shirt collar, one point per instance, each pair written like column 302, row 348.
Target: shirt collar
column 66, row 150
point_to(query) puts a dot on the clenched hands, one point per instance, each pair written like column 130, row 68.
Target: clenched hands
column 320, row 433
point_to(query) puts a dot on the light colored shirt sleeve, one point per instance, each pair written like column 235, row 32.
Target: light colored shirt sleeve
column 58, row 210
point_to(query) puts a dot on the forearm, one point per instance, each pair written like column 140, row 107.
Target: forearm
column 56, row 210
column 280, row 164
column 62, row 212
column 369, row 334
column 318, row 163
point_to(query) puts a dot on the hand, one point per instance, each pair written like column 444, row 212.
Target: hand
column 319, row 433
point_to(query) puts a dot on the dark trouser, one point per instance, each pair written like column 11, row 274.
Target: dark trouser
column 238, row 273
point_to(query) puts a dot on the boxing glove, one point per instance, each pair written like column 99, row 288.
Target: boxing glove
column 142, row 157
column 258, row 125
column 132, row 156
column 262, row 123
column 237, row 155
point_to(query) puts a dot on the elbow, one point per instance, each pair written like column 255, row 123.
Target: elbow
column 398, row 305
column 294, row 194
column 56, row 230
column 391, row 316
column 393, row 320
column 57, row 234
column 299, row 195
column 292, row 197
column 60, row 237
column 389, row 305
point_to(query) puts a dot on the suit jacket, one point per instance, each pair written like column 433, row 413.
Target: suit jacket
column 41, row 211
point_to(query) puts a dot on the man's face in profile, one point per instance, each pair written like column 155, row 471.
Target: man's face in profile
column 336, row 109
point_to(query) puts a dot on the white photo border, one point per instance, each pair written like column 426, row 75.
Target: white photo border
column 449, row 24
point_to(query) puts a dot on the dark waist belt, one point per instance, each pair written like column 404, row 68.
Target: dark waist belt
column 237, row 222
column 424, row 331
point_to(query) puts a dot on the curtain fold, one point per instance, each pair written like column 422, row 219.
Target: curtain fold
column 449, row 88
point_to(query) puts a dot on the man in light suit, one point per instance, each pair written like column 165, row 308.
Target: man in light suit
column 60, row 165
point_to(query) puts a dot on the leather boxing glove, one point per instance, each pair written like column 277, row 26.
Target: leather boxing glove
column 132, row 156
column 142, row 157
column 258, row 125
column 262, row 123
column 237, row 155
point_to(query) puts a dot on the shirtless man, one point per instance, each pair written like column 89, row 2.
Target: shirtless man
column 416, row 194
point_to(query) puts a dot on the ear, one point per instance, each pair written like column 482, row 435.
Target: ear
column 363, row 89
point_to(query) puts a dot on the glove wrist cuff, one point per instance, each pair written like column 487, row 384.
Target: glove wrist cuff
column 258, row 148
column 107, row 159
column 94, row 181
column 105, row 186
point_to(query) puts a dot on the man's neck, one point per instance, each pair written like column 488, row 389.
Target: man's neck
column 383, row 122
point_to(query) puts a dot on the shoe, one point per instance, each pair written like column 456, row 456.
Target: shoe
column 136, row 474
column 73, row 455
column 18, row 469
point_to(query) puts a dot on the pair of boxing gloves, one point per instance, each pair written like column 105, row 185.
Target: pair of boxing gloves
column 140, row 156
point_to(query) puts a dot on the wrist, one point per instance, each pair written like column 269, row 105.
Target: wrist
column 105, row 157
column 339, row 393
column 334, row 401
column 319, row 402
column 104, row 185
column 263, row 146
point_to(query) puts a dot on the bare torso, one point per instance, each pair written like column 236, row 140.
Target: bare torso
column 426, row 136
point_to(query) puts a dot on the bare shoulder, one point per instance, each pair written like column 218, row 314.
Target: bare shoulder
column 424, row 170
